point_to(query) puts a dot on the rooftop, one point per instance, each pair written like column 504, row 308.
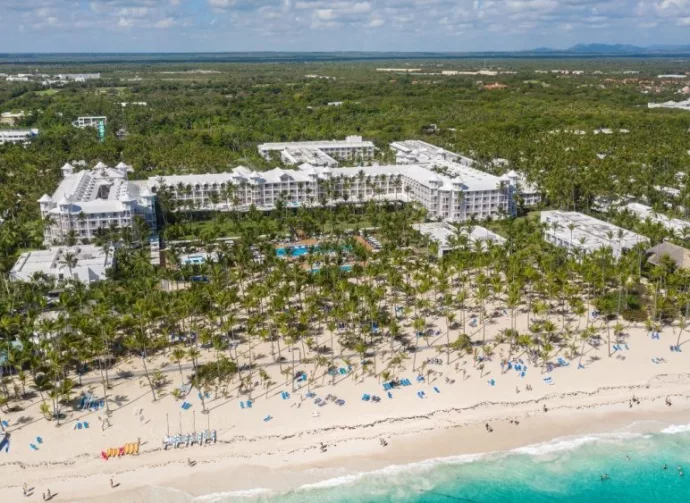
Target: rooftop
column 443, row 233
column 91, row 263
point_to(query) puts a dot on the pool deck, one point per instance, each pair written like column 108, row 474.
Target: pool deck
column 301, row 242
column 364, row 243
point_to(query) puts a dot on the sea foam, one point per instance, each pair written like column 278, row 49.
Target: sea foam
column 676, row 428
column 225, row 496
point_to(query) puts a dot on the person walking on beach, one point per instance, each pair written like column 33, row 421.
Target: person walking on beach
column 25, row 488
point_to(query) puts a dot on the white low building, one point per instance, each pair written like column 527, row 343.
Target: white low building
column 644, row 212
column 578, row 232
column 353, row 148
column 90, row 200
column 448, row 237
column 17, row 135
column 90, row 121
column 84, row 263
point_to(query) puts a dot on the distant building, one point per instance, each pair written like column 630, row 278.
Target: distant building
column 17, row 135
column 78, row 77
column 353, row 148
column 125, row 104
column 11, row 118
column 335, row 103
column 647, row 212
column 89, row 121
column 576, row 231
column 399, row 70
column 448, row 237
column 679, row 105
column 93, row 199
column 494, row 86
column 84, row 263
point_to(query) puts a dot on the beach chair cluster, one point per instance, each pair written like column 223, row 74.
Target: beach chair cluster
column 373, row 242
column 88, row 402
column 34, row 447
column 655, row 335
column 131, row 449
column 474, row 322
column 186, row 406
column 421, row 394
column 206, row 395
column 5, row 443
column 81, row 425
column 301, row 377
column 246, row 405
column 620, row 347
column 340, row 371
column 658, row 360
column 200, row 438
column 676, row 349
column 434, row 361
column 334, row 399
column 284, row 395
column 492, row 382
column 562, row 362
column 519, row 367
column 372, row 398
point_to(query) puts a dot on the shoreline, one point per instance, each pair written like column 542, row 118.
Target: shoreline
column 352, row 451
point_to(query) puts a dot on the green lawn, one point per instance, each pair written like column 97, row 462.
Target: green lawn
column 47, row 92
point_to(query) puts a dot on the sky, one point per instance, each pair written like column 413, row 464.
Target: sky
column 335, row 25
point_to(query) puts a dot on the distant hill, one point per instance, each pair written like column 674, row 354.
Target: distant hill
column 607, row 49
column 616, row 50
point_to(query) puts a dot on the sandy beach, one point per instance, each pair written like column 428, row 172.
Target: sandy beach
column 303, row 443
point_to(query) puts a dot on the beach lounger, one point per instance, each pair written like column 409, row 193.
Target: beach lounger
column 390, row 395
column 267, row 419
column 580, row 366
column 241, row 405
column 310, row 394
column 340, row 402
column 420, row 378
column 492, row 382
column 366, row 397
column 436, row 389
column 33, row 447
column 6, row 424
column 249, row 404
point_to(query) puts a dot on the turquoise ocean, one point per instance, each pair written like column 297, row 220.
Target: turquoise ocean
column 564, row 470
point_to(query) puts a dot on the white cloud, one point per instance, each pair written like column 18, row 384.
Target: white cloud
column 168, row 22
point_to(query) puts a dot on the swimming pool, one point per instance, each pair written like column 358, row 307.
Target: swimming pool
column 299, row 250
column 295, row 251
column 193, row 259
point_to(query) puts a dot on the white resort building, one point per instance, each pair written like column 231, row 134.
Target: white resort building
column 444, row 183
column 85, row 263
column 17, row 135
column 575, row 231
column 353, row 148
column 644, row 212
column 93, row 199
